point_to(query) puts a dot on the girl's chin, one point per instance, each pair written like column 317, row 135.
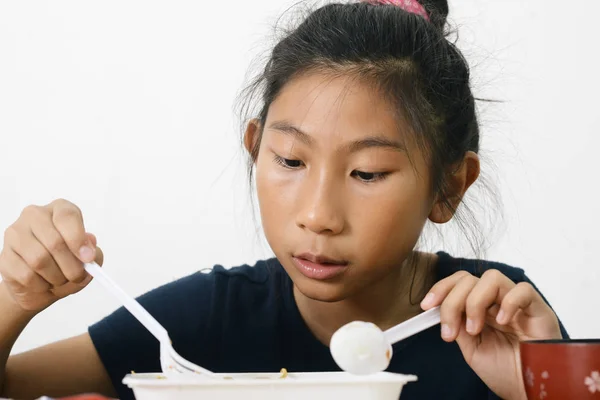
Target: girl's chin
column 326, row 292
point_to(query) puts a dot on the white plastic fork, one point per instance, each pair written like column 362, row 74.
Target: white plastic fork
column 170, row 361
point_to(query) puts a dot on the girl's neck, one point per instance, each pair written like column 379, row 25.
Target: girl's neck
column 386, row 303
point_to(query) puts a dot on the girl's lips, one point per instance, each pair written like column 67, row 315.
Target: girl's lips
column 318, row 270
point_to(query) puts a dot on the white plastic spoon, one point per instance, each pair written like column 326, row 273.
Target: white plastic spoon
column 361, row 348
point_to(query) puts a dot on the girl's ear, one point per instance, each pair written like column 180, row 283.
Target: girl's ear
column 459, row 181
column 251, row 138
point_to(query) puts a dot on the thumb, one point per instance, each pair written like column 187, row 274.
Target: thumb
column 98, row 254
column 99, row 259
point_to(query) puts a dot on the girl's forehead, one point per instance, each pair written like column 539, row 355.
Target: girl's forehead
column 329, row 104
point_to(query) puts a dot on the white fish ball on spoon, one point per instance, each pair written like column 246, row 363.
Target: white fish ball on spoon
column 360, row 348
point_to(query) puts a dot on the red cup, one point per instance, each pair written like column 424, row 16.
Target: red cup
column 561, row 369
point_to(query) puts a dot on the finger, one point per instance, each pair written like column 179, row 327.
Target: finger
column 492, row 314
column 490, row 290
column 68, row 220
column 39, row 259
column 467, row 344
column 522, row 297
column 440, row 290
column 453, row 307
column 21, row 275
column 86, row 281
column 53, row 242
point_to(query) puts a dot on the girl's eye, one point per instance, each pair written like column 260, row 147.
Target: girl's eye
column 369, row 177
column 287, row 163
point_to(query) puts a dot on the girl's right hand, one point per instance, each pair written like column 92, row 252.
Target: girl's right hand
column 43, row 255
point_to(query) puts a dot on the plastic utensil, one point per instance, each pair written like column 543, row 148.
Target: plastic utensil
column 170, row 360
column 412, row 326
column 361, row 348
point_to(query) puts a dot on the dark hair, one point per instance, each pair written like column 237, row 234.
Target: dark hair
column 409, row 59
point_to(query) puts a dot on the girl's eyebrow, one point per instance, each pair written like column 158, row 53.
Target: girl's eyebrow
column 289, row 129
column 374, row 141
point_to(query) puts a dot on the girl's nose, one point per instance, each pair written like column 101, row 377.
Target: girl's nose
column 321, row 210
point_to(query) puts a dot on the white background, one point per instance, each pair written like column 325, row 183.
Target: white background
column 125, row 108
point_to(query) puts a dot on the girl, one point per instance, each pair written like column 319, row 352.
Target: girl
column 367, row 129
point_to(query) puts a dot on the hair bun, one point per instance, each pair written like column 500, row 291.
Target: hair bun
column 438, row 11
column 435, row 11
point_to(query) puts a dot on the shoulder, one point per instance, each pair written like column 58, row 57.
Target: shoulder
column 258, row 273
column 244, row 285
column 202, row 297
column 216, row 286
column 247, row 275
column 448, row 265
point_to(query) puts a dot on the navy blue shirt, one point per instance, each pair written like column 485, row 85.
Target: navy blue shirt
column 245, row 319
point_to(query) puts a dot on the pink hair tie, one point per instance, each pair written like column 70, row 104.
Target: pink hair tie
column 411, row 6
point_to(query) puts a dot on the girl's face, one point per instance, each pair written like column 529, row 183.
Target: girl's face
column 335, row 183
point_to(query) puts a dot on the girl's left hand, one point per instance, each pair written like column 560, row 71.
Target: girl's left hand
column 488, row 317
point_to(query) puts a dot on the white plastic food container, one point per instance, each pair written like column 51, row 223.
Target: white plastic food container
column 295, row 386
